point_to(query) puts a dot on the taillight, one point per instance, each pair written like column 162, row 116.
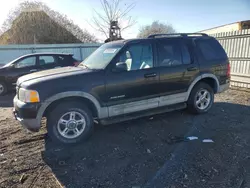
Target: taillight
column 228, row 70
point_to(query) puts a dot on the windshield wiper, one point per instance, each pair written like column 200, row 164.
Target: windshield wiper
column 83, row 65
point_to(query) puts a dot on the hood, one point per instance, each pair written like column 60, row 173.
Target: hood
column 52, row 74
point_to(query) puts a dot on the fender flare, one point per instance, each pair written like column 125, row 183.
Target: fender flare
column 101, row 111
column 197, row 79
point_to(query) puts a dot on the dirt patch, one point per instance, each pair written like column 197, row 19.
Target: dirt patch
column 133, row 153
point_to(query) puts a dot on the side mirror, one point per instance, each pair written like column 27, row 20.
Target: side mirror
column 120, row 67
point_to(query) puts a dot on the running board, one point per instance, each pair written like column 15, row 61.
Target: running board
column 161, row 110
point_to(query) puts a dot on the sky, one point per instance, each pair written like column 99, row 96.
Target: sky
column 183, row 15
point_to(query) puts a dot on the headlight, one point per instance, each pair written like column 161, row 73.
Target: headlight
column 28, row 96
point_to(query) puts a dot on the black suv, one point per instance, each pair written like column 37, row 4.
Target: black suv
column 23, row 65
column 124, row 80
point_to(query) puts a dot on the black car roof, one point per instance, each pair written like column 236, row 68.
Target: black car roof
column 157, row 36
column 48, row 53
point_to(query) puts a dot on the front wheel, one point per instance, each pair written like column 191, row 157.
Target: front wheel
column 70, row 123
column 201, row 98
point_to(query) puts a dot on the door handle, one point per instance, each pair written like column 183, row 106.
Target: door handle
column 192, row 69
column 33, row 70
column 150, row 75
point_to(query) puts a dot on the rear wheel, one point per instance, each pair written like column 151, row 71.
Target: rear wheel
column 3, row 88
column 201, row 98
column 70, row 123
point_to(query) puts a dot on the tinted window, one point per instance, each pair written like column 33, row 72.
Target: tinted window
column 66, row 60
column 169, row 53
column 137, row 56
column 186, row 59
column 43, row 60
column 27, row 62
column 211, row 50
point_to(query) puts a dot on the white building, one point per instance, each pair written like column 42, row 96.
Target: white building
column 228, row 27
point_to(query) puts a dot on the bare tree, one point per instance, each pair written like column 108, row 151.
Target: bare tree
column 112, row 12
column 58, row 18
column 155, row 28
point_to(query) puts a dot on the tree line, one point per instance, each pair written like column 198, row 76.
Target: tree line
column 33, row 22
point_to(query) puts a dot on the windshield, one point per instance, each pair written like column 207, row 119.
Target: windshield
column 8, row 64
column 100, row 58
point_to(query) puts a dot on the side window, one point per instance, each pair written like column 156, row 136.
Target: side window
column 63, row 60
column 137, row 56
column 186, row 58
column 169, row 53
column 44, row 60
column 27, row 62
column 66, row 60
column 211, row 50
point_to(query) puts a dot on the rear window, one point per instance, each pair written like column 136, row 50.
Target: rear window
column 66, row 60
column 211, row 50
column 44, row 60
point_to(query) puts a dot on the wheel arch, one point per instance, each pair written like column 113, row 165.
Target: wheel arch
column 83, row 97
column 210, row 79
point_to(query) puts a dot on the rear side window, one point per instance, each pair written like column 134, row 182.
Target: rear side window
column 44, row 60
column 66, row 60
column 169, row 53
column 211, row 50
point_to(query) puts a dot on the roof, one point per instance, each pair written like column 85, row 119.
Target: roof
column 48, row 53
column 151, row 37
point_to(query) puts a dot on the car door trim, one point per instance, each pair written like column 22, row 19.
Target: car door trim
column 127, row 108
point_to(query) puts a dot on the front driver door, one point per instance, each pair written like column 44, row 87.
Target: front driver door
column 135, row 89
column 22, row 67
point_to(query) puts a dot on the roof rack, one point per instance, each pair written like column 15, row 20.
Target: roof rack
column 177, row 34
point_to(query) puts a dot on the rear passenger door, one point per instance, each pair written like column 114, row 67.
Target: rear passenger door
column 177, row 69
column 47, row 62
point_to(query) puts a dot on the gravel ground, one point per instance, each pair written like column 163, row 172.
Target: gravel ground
column 148, row 152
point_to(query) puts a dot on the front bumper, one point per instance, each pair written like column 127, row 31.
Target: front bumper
column 26, row 114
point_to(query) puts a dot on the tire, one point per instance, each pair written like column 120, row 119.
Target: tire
column 199, row 102
column 65, row 113
column 3, row 88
